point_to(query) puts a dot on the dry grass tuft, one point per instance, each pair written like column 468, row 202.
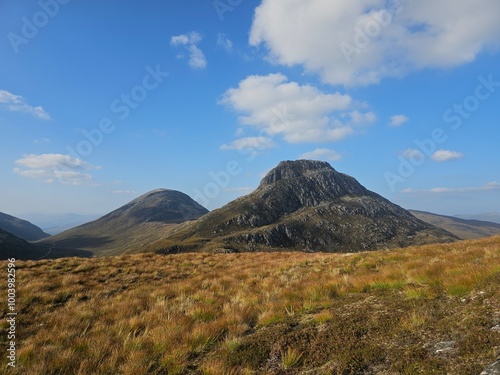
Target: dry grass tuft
column 260, row 313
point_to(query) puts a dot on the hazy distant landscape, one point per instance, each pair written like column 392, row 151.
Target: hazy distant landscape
column 278, row 187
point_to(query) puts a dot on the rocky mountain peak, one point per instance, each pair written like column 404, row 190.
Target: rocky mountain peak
column 307, row 205
column 311, row 181
column 287, row 170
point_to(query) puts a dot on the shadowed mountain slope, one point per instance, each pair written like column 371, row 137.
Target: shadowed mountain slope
column 21, row 228
column 17, row 248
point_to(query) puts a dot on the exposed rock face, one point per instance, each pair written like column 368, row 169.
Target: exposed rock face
column 307, row 205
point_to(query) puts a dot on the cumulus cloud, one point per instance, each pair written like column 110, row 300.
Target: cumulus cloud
column 398, row 120
column 298, row 113
column 16, row 103
column 361, row 42
column 197, row 59
column 490, row 186
column 49, row 168
column 446, row 155
column 322, row 154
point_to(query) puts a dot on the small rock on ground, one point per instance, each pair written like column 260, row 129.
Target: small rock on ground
column 444, row 347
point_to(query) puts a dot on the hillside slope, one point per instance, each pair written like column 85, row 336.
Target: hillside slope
column 432, row 309
column 462, row 228
column 307, row 206
column 21, row 228
column 128, row 228
column 17, row 248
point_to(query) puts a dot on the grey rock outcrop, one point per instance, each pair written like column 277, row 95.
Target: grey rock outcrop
column 493, row 369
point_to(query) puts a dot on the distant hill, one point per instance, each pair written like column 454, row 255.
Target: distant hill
column 304, row 205
column 15, row 247
column 128, row 228
column 464, row 229
column 493, row 217
column 21, row 228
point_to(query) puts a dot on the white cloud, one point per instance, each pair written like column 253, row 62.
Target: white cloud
column 177, row 40
column 411, row 153
column 361, row 42
column 490, row 186
column 322, row 154
column 42, row 140
column 9, row 98
column 446, row 155
column 224, row 42
column 298, row 113
column 124, row 192
column 66, row 169
column 249, row 143
column 398, row 120
column 16, row 103
column 197, row 59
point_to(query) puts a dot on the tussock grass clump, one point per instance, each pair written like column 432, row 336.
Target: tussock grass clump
column 260, row 313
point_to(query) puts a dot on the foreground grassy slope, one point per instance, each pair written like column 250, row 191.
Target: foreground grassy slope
column 262, row 313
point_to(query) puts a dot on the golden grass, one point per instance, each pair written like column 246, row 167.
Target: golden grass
column 260, row 313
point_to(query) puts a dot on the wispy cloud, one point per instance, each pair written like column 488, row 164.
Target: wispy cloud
column 224, row 42
column 254, row 143
column 398, row 120
column 49, row 168
column 124, row 192
column 16, row 103
column 322, row 154
column 197, row 59
column 490, row 186
column 446, row 155
column 411, row 153
column 41, row 140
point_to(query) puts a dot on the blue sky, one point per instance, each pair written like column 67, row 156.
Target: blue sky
column 101, row 101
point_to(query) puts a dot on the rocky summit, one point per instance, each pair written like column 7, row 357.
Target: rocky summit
column 305, row 205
